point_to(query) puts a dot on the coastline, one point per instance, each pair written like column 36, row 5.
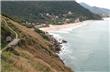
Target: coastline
column 54, row 28
column 57, row 28
column 56, row 39
column 65, row 49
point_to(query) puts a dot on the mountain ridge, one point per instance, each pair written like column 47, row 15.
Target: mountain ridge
column 97, row 10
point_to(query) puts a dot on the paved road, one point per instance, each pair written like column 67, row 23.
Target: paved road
column 14, row 41
column 11, row 29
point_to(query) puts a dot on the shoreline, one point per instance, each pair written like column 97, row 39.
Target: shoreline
column 65, row 27
column 53, row 28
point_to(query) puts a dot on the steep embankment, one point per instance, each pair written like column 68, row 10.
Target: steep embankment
column 33, row 53
column 50, row 12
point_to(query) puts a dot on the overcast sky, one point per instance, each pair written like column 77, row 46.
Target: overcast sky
column 98, row 3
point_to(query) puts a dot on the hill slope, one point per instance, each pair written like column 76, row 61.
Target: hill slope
column 46, row 11
column 97, row 10
column 32, row 53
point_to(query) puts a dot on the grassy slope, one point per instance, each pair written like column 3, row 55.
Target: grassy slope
column 33, row 53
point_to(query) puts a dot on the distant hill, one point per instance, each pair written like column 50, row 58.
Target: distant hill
column 53, row 12
column 97, row 10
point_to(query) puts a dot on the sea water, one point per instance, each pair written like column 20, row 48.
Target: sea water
column 87, row 48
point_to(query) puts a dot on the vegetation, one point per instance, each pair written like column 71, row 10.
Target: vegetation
column 32, row 54
column 52, row 12
column 5, row 62
column 42, row 34
column 35, row 52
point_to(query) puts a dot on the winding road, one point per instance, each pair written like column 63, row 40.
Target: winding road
column 14, row 41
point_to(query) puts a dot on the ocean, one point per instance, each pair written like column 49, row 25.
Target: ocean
column 87, row 48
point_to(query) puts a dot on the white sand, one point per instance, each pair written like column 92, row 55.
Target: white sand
column 53, row 28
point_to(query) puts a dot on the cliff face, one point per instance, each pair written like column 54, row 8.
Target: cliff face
column 32, row 53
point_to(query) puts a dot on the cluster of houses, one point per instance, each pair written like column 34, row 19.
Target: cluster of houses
column 56, row 19
column 65, row 20
column 35, row 25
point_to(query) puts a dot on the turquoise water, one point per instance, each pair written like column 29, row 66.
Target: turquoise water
column 88, row 48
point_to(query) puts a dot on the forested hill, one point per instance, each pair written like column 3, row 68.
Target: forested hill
column 53, row 12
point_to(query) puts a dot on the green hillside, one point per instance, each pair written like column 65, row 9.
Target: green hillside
column 51, row 12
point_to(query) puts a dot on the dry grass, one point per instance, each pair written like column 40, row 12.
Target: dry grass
column 34, row 53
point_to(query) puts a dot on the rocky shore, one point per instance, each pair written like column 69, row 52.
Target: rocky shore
column 56, row 44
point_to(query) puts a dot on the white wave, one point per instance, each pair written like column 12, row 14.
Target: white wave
column 65, row 46
column 56, row 36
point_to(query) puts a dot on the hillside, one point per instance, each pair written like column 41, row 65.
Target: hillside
column 97, row 10
column 27, row 50
column 50, row 12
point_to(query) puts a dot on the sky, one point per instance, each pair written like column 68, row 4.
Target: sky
column 98, row 3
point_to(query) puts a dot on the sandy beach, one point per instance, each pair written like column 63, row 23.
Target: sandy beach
column 53, row 28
